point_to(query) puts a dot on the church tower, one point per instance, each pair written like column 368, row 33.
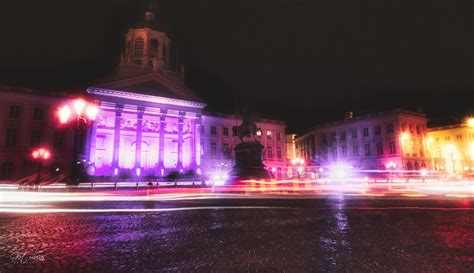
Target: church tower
column 146, row 45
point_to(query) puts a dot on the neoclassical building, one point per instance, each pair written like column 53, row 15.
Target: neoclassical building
column 369, row 142
column 149, row 122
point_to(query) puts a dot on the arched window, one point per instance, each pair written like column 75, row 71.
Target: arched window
column 154, row 44
column 409, row 166
column 139, row 46
column 417, row 166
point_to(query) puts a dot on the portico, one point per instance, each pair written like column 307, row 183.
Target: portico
column 144, row 134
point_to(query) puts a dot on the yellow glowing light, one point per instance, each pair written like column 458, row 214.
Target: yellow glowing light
column 430, row 140
column 470, row 122
column 405, row 136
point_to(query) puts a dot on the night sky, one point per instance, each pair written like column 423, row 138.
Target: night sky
column 303, row 61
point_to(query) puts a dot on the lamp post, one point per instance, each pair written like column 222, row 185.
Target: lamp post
column 40, row 155
column 391, row 167
column 470, row 142
column 298, row 164
column 85, row 113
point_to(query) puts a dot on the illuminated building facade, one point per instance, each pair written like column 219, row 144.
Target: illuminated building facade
column 218, row 143
column 28, row 121
column 149, row 122
column 368, row 142
column 291, row 146
column 451, row 148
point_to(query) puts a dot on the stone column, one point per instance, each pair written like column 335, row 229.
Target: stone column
column 118, row 124
column 138, row 139
column 92, row 140
column 179, row 165
column 161, row 140
column 197, row 142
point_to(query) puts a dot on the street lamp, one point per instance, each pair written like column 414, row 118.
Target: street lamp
column 40, row 155
column 85, row 113
column 298, row 164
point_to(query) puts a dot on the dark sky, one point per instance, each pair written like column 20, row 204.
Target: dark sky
column 304, row 61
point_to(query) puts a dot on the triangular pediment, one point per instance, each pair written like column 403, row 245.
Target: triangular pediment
column 166, row 84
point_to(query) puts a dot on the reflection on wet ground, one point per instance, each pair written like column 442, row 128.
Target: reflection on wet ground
column 270, row 235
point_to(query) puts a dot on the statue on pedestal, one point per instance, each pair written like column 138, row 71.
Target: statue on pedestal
column 248, row 155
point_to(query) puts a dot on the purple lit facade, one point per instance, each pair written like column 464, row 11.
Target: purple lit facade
column 148, row 135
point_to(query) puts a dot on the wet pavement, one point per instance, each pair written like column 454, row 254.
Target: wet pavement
column 337, row 234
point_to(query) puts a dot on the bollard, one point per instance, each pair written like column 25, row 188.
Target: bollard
column 92, row 186
column 115, row 185
column 137, row 185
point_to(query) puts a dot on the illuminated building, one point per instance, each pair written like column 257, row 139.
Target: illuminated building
column 452, row 148
column 149, row 122
column 290, row 146
column 368, row 142
column 29, row 121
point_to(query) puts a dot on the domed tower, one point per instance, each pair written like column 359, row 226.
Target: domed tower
column 146, row 45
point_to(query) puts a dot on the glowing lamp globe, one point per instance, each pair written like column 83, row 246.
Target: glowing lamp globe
column 92, row 111
column 79, row 105
column 470, row 122
column 64, row 113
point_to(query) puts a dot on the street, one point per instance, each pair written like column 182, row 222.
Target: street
column 240, row 233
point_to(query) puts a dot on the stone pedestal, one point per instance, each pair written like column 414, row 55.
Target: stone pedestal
column 248, row 162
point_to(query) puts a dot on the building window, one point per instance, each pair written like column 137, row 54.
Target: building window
column 458, row 136
column 278, row 135
column 390, row 128
column 213, row 130
column 377, row 130
column 418, row 130
column 213, row 148
column 355, row 150
column 38, row 114
column 202, row 129
column 154, row 45
column 354, row 133
column 367, row 149
column 269, row 135
column 365, row 132
column 334, row 152
column 259, row 133
column 58, row 142
column 343, row 136
column 270, row 152
column 447, row 138
column 10, row 137
column 225, row 148
column 379, row 147
column 333, row 137
column 344, row 150
column 225, row 131
column 279, row 155
column 6, row 170
column 35, row 139
column 139, row 46
column 410, row 128
column 14, row 111
column 392, row 147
